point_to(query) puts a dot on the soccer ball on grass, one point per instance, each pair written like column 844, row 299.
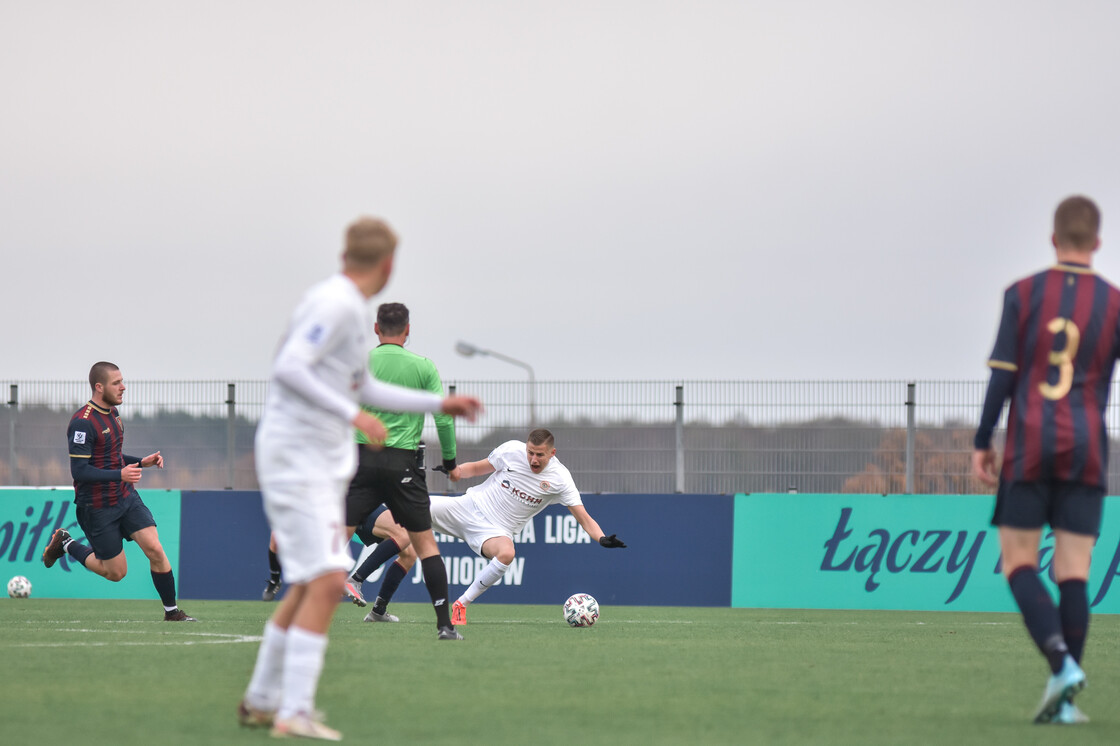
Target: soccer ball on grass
column 19, row 587
column 581, row 610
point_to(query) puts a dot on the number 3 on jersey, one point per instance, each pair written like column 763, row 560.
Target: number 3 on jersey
column 1062, row 358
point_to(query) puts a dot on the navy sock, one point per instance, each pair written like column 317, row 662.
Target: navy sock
column 165, row 587
column 1073, row 608
column 378, row 557
column 274, row 566
column 1039, row 614
column 435, row 578
column 393, row 577
column 79, row 552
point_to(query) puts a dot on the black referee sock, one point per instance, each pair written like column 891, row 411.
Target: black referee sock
column 1073, row 608
column 435, row 578
column 1039, row 614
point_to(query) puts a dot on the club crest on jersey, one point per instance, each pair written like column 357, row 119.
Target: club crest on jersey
column 546, row 486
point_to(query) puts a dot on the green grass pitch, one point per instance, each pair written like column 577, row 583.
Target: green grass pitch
column 107, row 672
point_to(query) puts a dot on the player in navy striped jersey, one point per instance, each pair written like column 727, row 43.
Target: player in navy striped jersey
column 109, row 509
column 1055, row 350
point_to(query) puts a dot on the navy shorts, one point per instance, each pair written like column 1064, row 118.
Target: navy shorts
column 106, row 529
column 1070, row 506
column 365, row 531
column 391, row 477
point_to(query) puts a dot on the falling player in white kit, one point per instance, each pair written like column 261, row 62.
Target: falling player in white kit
column 525, row 478
column 305, row 459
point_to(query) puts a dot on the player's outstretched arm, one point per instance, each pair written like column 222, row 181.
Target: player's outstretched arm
column 462, row 406
column 471, row 469
column 591, row 526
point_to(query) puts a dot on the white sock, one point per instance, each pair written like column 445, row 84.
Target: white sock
column 490, row 575
column 264, row 688
column 303, row 662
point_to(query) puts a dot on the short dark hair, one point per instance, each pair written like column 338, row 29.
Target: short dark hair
column 392, row 318
column 99, row 373
column 541, row 437
column 1077, row 221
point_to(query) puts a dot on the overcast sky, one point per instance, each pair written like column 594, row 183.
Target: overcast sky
column 605, row 190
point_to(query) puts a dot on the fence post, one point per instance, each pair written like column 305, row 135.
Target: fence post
column 13, row 402
column 910, row 435
column 679, row 404
column 231, row 431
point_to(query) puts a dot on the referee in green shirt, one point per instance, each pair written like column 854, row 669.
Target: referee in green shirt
column 391, row 474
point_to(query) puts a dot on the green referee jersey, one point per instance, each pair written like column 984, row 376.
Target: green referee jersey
column 394, row 364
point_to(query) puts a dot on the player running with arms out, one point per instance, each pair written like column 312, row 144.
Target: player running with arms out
column 109, row 509
column 1058, row 340
column 525, row 478
column 305, row 458
column 393, row 474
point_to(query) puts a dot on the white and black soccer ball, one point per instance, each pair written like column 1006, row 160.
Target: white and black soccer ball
column 581, row 610
column 19, row 587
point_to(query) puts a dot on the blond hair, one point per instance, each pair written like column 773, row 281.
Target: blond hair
column 368, row 242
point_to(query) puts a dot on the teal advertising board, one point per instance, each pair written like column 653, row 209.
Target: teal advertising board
column 28, row 517
column 906, row 552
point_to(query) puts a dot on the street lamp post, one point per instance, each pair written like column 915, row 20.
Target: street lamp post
column 468, row 350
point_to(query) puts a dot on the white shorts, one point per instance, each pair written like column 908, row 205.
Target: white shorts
column 307, row 518
column 460, row 517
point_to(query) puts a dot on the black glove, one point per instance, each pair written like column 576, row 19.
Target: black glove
column 612, row 542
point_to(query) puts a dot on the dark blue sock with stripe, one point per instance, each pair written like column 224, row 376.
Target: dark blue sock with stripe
column 389, row 584
column 165, row 587
column 1073, row 608
column 1039, row 614
column 378, row 557
column 78, row 551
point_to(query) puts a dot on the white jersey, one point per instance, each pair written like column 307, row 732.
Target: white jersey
column 330, row 335
column 513, row 493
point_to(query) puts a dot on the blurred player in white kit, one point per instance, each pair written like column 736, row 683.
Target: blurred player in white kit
column 305, row 459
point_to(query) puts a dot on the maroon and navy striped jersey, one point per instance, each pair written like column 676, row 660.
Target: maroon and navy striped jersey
column 95, row 438
column 1060, row 336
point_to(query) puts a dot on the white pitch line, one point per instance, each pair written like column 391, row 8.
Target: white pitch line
column 222, row 639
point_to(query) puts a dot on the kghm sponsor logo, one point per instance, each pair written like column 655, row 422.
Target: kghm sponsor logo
column 524, row 497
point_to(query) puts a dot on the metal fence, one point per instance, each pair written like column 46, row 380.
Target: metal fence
column 624, row 436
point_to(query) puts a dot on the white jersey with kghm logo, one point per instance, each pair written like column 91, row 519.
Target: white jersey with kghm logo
column 513, row 493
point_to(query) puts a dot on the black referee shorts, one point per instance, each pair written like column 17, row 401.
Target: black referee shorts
column 389, row 476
